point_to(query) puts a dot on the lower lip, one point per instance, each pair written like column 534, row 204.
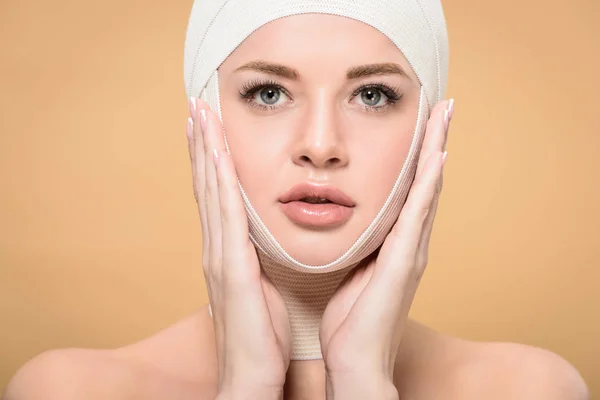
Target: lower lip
column 316, row 215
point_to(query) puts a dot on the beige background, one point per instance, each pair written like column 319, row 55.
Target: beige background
column 99, row 237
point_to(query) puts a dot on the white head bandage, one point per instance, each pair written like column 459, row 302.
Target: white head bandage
column 418, row 28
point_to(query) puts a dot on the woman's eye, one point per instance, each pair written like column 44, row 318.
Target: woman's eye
column 371, row 97
column 268, row 95
column 377, row 96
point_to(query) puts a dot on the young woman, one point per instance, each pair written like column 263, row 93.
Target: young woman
column 317, row 153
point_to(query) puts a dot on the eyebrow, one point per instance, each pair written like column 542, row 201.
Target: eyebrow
column 360, row 71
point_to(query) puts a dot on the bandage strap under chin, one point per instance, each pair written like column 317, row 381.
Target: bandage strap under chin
column 306, row 290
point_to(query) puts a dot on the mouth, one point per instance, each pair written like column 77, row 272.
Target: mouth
column 315, row 200
column 317, row 206
column 317, row 194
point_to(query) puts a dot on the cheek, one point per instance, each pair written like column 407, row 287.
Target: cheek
column 392, row 158
column 260, row 148
column 252, row 158
column 379, row 158
column 383, row 160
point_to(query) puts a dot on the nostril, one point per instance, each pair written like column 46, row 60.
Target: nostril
column 334, row 162
column 331, row 162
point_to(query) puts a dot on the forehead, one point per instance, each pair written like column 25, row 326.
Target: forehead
column 317, row 39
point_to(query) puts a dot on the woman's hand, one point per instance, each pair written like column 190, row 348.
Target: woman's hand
column 362, row 325
column 252, row 331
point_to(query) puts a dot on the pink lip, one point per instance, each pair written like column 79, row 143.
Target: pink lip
column 316, row 215
column 331, row 193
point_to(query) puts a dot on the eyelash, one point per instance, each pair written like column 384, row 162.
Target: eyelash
column 249, row 89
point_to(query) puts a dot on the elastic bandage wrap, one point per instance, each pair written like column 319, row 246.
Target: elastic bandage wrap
column 418, row 29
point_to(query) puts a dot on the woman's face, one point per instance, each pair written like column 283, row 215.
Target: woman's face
column 314, row 105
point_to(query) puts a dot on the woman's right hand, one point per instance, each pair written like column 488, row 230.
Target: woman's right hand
column 252, row 330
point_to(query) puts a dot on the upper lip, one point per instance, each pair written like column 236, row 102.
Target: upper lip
column 311, row 190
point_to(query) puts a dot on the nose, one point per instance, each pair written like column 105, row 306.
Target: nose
column 320, row 143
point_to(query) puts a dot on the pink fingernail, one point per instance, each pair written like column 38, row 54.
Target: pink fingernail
column 215, row 157
column 189, row 128
column 446, row 119
column 203, row 119
column 444, row 158
column 450, row 109
column 192, row 104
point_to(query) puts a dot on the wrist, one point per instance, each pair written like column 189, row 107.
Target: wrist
column 249, row 393
column 360, row 386
column 249, row 383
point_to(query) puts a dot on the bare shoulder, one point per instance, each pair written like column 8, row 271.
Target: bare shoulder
column 433, row 365
column 67, row 374
column 173, row 361
column 503, row 370
column 181, row 361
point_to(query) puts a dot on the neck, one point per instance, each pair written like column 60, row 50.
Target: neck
column 306, row 295
column 305, row 380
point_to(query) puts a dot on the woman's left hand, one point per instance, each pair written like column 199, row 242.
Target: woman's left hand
column 362, row 325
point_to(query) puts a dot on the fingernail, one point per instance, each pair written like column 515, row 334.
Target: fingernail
column 215, row 157
column 446, row 120
column 444, row 158
column 192, row 104
column 450, row 109
column 189, row 129
column 203, row 119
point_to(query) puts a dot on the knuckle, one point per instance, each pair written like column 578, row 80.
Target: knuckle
column 205, row 262
column 418, row 277
column 422, row 263
column 226, row 217
column 209, row 189
column 196, row 191
column 422, row 213
column 396, row 229
column 213, row 276
column 207, row 271
column 216, row 261
column 210, row 272
column 418, row 273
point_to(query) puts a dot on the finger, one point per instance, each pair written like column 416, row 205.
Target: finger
column 423, row 251
column 234, row 223
column 216, row 137
column 189, row 131
column 199, row 176
column 402, row 242
column 212, row 254
column 197, row 171
column 196, row 148
column 420, row 197
column 435, row 136
column 449, row 118
column 241, row 273
column 211, row 194
column 391, row 286
column 246, row 306
column 395, row 264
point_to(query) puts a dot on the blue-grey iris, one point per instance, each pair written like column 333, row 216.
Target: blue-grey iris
column 269, row 95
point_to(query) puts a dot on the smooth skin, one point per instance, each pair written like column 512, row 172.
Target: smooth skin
column 362, row 325
column 185, row 361
column 370, row 351
column 322, row 128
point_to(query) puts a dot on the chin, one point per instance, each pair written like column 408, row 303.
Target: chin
column 316, row 247
column 319, row 253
